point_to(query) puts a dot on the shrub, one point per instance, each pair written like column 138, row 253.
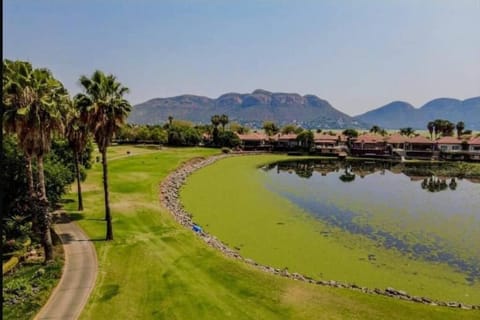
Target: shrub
column 226, row 150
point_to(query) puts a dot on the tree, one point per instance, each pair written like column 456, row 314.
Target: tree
column 223, row 121
column 289, row 128
column 351, row 133
column 408, row 131
column 106, row 112
column 375, row 129
column 431, row 128
column 170, row 120
column 228, row 139
column 77, row 134
column 35, row 98
column 270, row 128
column 460, row 127
column 215, row 119
column 306, row 139
column 238, row 128
column 443, row 127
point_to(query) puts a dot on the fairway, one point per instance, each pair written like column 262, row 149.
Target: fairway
column 156, row 269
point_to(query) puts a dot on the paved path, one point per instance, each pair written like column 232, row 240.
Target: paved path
column 79, row 274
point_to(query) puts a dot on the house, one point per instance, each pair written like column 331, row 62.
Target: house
column 397, row 141
column 285, row 142
column 420, row 147
column 254, row 141
column 451, row 148
column 369, row 145
column 329, row 144
column 474, row 148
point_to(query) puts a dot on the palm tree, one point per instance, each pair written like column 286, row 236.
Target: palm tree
column 16, row 95
column 106, row 112
column 35, row 98
column 223, row 121
column 431, row 127
column 170, row 121
column 407, row 131
column 77, row 133
column 375, row 129
column 215, row 119
column 460, row 127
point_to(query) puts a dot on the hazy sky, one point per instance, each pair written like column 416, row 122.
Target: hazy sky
column 356, row 54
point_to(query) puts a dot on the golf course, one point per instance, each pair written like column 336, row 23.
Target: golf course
column 157, row 269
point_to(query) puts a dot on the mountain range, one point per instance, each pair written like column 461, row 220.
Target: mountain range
column 308, row 111
column 400, row 114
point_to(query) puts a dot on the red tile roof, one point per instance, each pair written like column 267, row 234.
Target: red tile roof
column 420, row 140
column 396, row 138
column 370, row 138
column 324, row 137
column 449, row 140
column 474, row 140
column 290, row 136
column 252, row 136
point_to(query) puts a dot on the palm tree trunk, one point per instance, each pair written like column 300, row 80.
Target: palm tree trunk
column 79, row 185
column 46, row 237
column 41, row 178
column 29, row 175
column 108, row 216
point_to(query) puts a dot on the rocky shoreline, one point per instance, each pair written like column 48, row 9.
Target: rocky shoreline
column 169, row 197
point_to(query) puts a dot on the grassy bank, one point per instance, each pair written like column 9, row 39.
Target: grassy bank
column 229, row 200
column 156, row 269
column 27, row 288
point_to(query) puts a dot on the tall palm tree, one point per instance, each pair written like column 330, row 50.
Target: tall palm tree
column 223, row 121
column 77, row 133
column 460, row 127
column 375, row 129
column 431, row 128
column 36, row 99
column 16, row 95
column 106, row 111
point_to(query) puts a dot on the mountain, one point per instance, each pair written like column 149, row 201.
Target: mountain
column 400, row 114
column 253, row 109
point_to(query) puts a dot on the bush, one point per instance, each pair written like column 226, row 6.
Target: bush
column 226, row 150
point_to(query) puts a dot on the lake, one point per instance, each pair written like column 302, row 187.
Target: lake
column 375, row 224
column 398, row 206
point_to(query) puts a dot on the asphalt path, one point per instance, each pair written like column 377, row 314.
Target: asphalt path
column 79, row 273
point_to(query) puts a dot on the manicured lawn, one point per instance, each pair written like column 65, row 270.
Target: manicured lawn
column 156, row 269
column 230, row 201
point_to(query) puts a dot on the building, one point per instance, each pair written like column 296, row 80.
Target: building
column 254, row 141
column 420, row 147
column 285, row 142
column 329, row 144
column 452, row 148
column 474, row 148
column 369, row 145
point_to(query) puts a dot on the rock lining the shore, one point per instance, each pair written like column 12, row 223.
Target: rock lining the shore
column 169, row 197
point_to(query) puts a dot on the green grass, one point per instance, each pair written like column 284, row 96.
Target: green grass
column 156, row 269
column 27, row 289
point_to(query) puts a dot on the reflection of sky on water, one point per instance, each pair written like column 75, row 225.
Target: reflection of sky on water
column 393, row 209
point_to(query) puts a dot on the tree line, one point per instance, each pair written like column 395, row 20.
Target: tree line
column 37, row 112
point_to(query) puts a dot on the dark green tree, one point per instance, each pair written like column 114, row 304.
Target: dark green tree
column 107, row 110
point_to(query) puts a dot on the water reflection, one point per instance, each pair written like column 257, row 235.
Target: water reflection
column 380, row 200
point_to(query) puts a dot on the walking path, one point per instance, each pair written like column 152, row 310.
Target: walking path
column 79, row 273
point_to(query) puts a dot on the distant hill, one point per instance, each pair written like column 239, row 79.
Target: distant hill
column 253, row 109
column 400, row 114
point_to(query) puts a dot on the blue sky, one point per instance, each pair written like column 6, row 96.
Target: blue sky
column 356, row 54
